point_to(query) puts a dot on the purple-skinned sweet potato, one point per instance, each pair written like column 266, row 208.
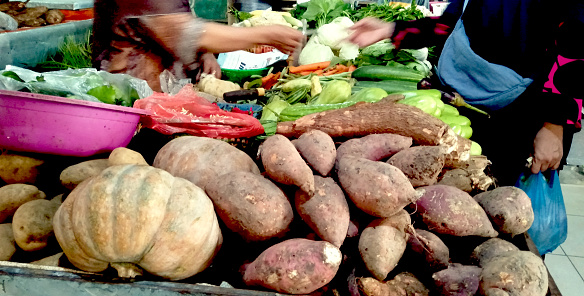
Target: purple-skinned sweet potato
column 326, row 212
column 458, row 280
column 294, row 266
column 430, row 247
column 374, row 146
column 490, row 249
column 448, row 210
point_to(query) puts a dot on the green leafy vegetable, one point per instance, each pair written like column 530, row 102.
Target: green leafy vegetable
column 324, row 11
column 72, row 54
column 13, row 75
column 389, row 12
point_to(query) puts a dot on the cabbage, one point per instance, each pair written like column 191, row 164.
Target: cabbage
column 334, row 92
column 370, row 94
column 343, row 21
column 332, row 35
column 349, row 51
column 315, row 53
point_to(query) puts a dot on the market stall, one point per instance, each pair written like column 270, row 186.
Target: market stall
column 334, row 170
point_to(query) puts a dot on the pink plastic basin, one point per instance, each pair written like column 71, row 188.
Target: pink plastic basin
column 61, row 126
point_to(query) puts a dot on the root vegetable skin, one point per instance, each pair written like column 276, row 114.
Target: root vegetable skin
column 460, row 280
column 401, row 220
column 251, row 205
column 284, row 164
column 75, row 174
column 421, row 164
column 449, row 210
column 318, row 149
column 363, row 119
column 32, row 224
column 326, row 212
column 379, row 189
column 295, row 266
column 381, row 248
column 509, row 209
column 519, row 273
column 490, row 249
column 7, row 244
column 374, row 147
column 431, row 248
column 15, row 195
column 404, row 284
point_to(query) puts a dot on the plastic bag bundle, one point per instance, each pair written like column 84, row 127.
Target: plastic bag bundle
column 550, row 227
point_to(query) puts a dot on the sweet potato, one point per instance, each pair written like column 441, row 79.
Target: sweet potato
column 54, row 16
column 123, row 155
column 295, row 266
column 30, row 14
column 32, row 224
column 14, row 195
column 496, row 292
column 520, row 273
column 449, row 210
column 284, row 164
column 509, row 209
column 430, row 247
column 326, row 212
column 458, row 178
column 201, row 160
column 250, row 205
column 7, row 244
column 381, row 248
column 490, row 249
column 421, row 164
column 19, row 169
column 374, row 147
column 457, row 279
column 379, row 189
column 403, row 284
column 75, row 174
column 318, row 149
column 400, row 220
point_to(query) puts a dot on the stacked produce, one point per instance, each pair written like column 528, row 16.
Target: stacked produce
column 31, row 16
column 341, row 200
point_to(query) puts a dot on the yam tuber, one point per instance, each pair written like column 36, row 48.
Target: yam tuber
column 430, row 247
column 490, row 249
column 403, row 284
column 519, row 273
column 457, row 279
column 54, row 16
column 384, row 116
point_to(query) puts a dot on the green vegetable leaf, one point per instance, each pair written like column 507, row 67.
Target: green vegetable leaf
column 104, row 93
column 322, row 11
column 13, row 75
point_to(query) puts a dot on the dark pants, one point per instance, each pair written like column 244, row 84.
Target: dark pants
column 507, row 138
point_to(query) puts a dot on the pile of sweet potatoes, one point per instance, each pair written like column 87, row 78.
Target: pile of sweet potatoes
column 354, row 214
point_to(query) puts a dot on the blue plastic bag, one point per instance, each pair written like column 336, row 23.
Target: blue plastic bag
column 550, row 226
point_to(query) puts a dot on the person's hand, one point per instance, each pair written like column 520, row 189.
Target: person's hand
column 285, row 39
column 548, row 148
column 209, row 65
column 370, row 30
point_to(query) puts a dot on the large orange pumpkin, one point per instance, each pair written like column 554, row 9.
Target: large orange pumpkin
column 137, row 215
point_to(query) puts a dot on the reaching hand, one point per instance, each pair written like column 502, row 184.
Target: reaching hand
column 548, row 148
column 370, row 30
column 285, row 39
column 209, row 65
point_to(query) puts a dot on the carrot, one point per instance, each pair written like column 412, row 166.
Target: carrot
column 319, row 72
column 304, row 73
column 331, row 72
column 352, row 68
column 270, row 80
column 309, row 67
column 342, row 68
